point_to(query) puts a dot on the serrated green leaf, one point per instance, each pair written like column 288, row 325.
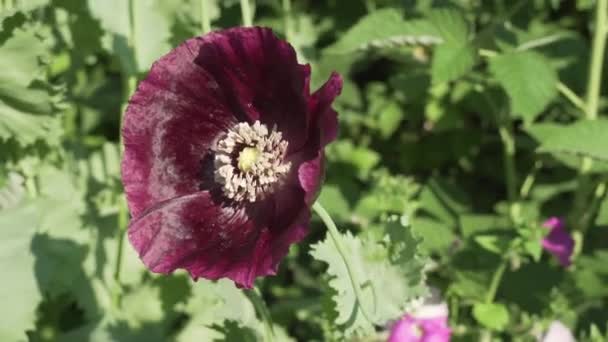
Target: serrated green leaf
column 214, row 303
column 491, row 315
column 20, row 56
column 389, row 194
column 385, row 28
column 388, row 273
column 25, row 108
column 583, row 138
column 528, row 79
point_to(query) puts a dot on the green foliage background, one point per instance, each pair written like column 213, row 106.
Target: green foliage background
column 461, row 132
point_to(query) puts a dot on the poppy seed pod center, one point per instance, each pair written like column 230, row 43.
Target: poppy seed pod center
column 249, row 161
column 247, row 158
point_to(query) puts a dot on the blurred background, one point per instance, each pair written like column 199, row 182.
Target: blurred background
column 458, row 119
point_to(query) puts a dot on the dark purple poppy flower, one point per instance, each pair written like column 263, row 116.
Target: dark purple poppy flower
column 224, row 155
column 558, row 242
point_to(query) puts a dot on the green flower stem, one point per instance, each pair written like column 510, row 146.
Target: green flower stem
column 591, row 111
column 508, row 142
column 337, row 240
column 130, row 84
column 496, row 279
column 255, row 296
column 288, row 19
column 205, row 22
column 571, row 96
column 529, row 181
column 246, row 12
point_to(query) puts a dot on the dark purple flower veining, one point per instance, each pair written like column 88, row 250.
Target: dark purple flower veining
column 224, row 155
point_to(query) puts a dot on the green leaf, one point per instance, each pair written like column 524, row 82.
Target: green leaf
column 387, row 270
column 213, row 303
column 389, row 194
column 451, row 25
column 385, row 28
column 359, row 157
column 583, row 138
column 493, row 243
column 20, row 56
column 19, row 290
column 25, row 108
column 12, row 191
column 472, row 224
column 528, row 79
column 451, row 61
column 149, row 35
column 334, row 201
column 491, row 315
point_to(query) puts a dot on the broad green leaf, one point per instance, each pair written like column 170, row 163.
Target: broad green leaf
column 334, row 201
column 435, row 235
column 451, row 25
column 361, row 158
column 19, row 290
column 491, row 315
column 387, row 271
column 214, row 303
column 583, row 138
column 385, row 28
column 451, row 61
column 528, row 79
column 388, row 119
column 137, row 43
column 20, row 56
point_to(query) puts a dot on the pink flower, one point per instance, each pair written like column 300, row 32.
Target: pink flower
column 224, row 155
column 558, row 242
column 428, row 323
column 558, row 332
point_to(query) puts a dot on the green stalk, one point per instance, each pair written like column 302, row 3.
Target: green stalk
column 255, row 296
column 288, row 20
column 496, row 279
column 591, row 110
column 335, row 236
column 508, row 142
column 246, row 13
column 123, row 212
column 205, row 22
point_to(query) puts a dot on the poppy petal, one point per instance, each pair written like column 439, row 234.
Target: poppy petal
column 212, row 240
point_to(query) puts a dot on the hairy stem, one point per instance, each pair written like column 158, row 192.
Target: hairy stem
column 246, row 13
column 496, row 279
column 123, row 213
column 335, row 236
column 287, row 17
column 205, row 22
column 508, row 142
column 255, row 296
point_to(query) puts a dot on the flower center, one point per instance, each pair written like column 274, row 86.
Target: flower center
column 249, row 161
